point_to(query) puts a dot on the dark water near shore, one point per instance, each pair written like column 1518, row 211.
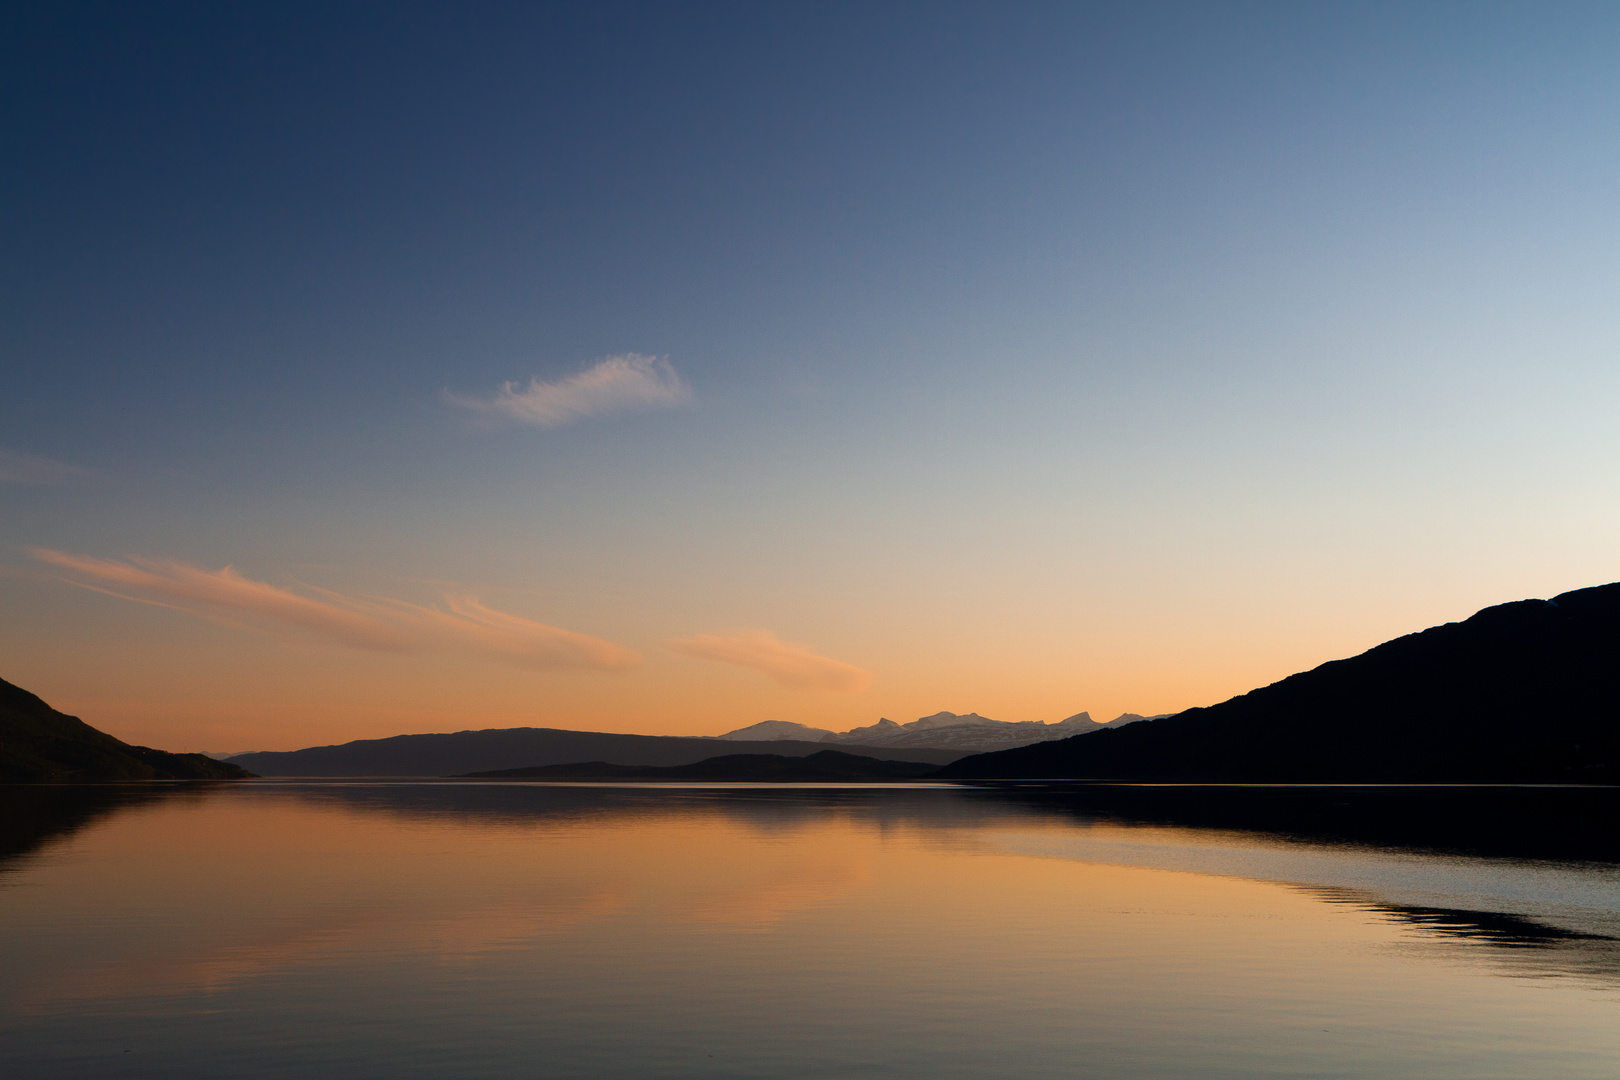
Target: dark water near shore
column 495, row 930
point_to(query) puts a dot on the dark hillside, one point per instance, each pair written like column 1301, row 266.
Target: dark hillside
column 39, row 744
column 826, row 766
column 462, row 752
column 1527, row 692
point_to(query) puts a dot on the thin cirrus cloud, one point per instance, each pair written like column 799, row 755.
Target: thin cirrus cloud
column 33, row 471
column 621, row 383
column 789, row 664
column 467, row 627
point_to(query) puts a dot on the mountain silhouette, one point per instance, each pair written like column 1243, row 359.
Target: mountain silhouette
column 39, row 744
column 494, row 749
column 1526, row 692
column 774, row 730
column 966, row 733
column 822, row 766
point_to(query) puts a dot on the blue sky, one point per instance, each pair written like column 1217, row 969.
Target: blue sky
column 1064, row 357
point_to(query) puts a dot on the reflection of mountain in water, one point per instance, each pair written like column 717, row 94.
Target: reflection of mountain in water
column 1525, row 945
column 1491, row 927
column 32, row 816
column 1548, row 830
column 772, row 807
column 1327, row 841
column 1560, row 823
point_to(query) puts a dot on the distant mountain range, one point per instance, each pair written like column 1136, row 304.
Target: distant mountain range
column 39, row 744
column 824, row 766
column 1525, row 692
column 934, row 740
column 968, row 732
column 464, row 752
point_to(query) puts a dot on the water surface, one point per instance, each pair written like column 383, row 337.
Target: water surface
column 473, row 930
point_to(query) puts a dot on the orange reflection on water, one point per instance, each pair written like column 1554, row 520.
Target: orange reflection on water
column 938, row 922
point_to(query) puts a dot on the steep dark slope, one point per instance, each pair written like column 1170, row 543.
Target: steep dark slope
column 1523, row 692
column 37, row 743
column 829, row 766
column 509, row 748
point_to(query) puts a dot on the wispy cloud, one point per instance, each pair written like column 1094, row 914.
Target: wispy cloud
column 615, row 384
column 789, row 664
column 362, row 622
column 27, row 469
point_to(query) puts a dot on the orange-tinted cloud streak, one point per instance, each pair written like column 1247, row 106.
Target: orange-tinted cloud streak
column 791, row 665
column 32, row 470
column 393, row 625
column 614, row 384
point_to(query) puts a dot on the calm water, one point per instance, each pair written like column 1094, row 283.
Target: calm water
column 463, row 930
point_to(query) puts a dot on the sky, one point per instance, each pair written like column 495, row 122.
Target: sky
column 385, row 368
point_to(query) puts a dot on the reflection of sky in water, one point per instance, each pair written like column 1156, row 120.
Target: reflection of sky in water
column 484, row 930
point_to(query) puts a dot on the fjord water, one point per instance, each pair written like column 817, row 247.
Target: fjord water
column 520, row 930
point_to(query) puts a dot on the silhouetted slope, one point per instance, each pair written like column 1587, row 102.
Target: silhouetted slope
column 37, row 743
column 823, row 766
column 506, row 748
column 1522, row 692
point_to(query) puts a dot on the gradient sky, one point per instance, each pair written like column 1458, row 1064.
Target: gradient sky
column 671, row 368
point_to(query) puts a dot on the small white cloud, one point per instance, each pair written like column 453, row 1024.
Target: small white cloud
column 361, row 622
column 789, row 664
column 32, row 471
column 616, row 384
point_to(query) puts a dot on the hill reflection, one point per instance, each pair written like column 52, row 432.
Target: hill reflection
column 33, row 816
column 1567, row 824
column 1529, row 875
